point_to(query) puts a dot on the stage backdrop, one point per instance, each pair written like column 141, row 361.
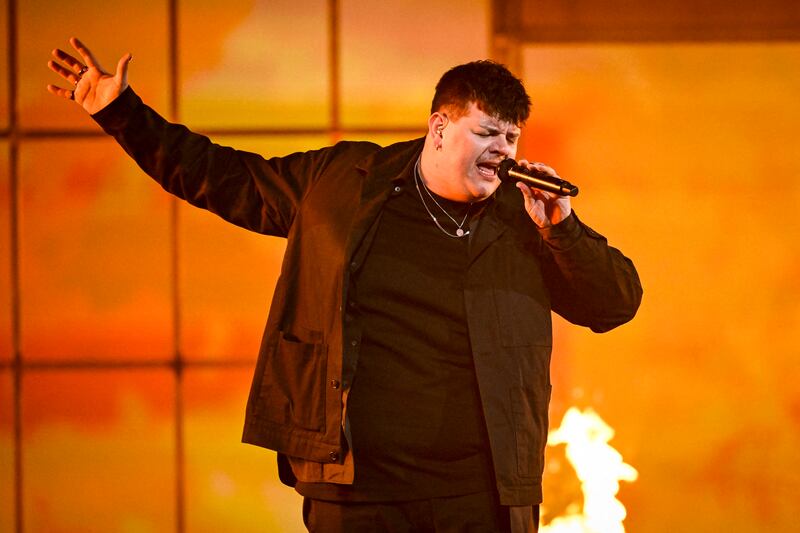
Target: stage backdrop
column 129, row 323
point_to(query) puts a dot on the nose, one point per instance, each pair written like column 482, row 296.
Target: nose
column 503, row 147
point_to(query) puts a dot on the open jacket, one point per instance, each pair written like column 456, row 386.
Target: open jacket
column 326, row 203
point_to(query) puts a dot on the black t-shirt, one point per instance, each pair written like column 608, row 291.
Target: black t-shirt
column 414, row 410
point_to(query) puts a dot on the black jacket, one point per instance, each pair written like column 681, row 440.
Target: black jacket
column 326, row 202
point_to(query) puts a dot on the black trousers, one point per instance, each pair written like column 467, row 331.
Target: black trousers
column 473, row 513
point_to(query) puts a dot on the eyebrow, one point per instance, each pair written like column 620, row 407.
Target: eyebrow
column 494, row 130
column 492, row 123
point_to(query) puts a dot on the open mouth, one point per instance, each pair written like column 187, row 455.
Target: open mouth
column 487, row 169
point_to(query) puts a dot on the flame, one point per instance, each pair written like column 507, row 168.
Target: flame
column 599, row 468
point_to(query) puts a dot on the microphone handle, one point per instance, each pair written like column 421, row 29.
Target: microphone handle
column 545, row 182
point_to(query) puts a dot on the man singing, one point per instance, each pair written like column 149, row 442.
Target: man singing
column 403, row 377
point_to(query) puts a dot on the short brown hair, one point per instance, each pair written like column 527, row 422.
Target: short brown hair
column 493, row 88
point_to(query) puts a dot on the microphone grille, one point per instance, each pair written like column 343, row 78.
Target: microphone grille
column 505, row 166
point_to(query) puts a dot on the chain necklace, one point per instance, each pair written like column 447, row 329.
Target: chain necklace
column 460, row 232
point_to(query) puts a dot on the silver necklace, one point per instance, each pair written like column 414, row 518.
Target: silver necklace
column 460, row 232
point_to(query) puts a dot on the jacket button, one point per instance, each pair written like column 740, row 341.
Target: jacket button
column 335, row 384
column 334, row 456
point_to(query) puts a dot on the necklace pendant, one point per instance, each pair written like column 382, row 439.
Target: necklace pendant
column 460, row 232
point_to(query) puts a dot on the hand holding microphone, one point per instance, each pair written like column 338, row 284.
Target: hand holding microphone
column 510, row 170
column 547, row 196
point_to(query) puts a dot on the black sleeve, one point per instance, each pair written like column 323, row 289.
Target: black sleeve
column 246, row 189
column 591, row 283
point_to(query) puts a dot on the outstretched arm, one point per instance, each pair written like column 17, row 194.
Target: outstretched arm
column 92, row 87
column 243, row 188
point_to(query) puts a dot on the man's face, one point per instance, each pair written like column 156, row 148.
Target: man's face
column 472, row 148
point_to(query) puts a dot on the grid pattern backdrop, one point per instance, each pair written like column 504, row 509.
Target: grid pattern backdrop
column 129, row 322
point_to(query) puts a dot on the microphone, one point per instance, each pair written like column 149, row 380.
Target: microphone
column 510, row 170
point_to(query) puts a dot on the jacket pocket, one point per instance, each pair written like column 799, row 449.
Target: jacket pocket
column 529, row 408
column 292, row 390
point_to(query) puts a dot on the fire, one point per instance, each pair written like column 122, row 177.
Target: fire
column 599, row 468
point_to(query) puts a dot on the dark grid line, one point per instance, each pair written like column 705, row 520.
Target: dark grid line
column 13, row 84
column 334, row 85
column 180, row 448
column 44, row 365
column 38, row 133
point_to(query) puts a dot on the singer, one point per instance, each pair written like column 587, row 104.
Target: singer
column 403, row 377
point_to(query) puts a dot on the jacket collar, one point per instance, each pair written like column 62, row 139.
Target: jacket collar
column 395, row 163
column 383, row 170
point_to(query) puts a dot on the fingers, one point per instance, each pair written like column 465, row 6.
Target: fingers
column 63, row 93
column 534, row 205
column 68, row 60
column 67, row 74
column 541, row 167
column 85, row 53
column 533, row 194
column 74, row 68
column 122, row 70
column 546, row 169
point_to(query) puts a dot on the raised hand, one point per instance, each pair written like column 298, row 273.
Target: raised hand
column 92, row 87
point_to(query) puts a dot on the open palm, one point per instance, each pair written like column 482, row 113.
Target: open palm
column 93, row 87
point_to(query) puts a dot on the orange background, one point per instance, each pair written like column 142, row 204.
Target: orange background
column 686, row 155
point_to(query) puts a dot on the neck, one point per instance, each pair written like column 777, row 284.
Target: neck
column 436, row 177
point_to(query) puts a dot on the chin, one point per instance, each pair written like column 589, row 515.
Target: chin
column 486, row 188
